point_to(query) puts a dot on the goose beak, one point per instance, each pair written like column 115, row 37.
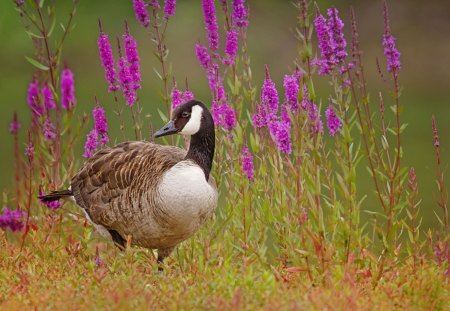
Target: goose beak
column 167, row 129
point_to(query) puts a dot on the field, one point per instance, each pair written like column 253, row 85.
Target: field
column 325, row 200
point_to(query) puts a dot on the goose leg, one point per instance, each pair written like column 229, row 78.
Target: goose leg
column 163, row 253
column 117, row 239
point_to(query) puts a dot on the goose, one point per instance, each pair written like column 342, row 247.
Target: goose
column 159, row 195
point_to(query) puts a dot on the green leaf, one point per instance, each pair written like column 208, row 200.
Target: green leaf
column 163, row 116
column 36, row 63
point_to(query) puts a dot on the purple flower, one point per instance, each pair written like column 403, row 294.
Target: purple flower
column 169, row 8
column 97, row 259
column 49, row 130
column 280, row 133
column 229, row 117
column 337, row 40
column 12, row 220
column 67, row 89
column 106, row 56
column 285, row 115
column 29, row 151
column 100, row 124
column 53, row 205
column 240, row 14
column 314, row 118
column 91, row 143
column 133, row 60
column 259, row 119
column 140, row 10
column 188, row 95
column 231, row 47
column 47, row 95
column 269, row 95
column 180, row 97
column 334, row 124
column 391, row 53
column 291, row 89
column 126, row 82
column 209, row 13
column 14, row 126
column 326, row 51
column 216, row 112
column 203, row 56
column 154, row 4
column 390, row 50
column 177, row 97
column 247, row 163
column 33, row 100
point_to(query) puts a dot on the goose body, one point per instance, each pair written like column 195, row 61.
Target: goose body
column 157, row 195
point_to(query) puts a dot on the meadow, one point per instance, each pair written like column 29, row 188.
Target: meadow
column 320, row 207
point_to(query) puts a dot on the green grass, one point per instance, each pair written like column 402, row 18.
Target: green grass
column 60, row 273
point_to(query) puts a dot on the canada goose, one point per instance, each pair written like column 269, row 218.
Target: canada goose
column 158, row 195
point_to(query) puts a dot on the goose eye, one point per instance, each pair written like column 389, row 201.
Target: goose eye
column 185, row 114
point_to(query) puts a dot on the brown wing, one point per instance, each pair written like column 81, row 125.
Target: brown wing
column 109, row 180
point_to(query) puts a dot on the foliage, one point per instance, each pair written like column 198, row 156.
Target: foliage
column 288, row 231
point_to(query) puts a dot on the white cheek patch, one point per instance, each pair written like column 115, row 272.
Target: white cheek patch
column 194, row 122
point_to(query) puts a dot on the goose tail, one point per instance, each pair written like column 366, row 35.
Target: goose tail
column 55, row 195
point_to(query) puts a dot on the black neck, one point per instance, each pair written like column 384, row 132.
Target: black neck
column 201, row 149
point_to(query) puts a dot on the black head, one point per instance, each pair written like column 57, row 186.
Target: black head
column 190, row 118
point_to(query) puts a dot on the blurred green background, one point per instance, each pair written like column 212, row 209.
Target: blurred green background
column 422, row 29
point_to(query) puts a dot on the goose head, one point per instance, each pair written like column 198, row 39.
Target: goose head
column 191, row 118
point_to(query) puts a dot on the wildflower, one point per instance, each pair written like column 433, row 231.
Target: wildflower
column 269, row 95
column 334, row 124
column 229, row 117
column 12, row 220
column 314, row 117
column 209, row 13
column 280, row 133
column 291, row 89
column 106, row 56
column 140, row 10
column 100, row 124
column 14, row 126
column 337, row 40
column 155, row 4
column 231, row 47
column 305, row 102
column 49, row 130
column 285, row 115
column 169, row 8
column 19, row 3
column 29, row 151
column 216, row 112
column 53, row 205
column 98, row 261
column 247, row 163
column 91, row 143
column 47, row 95
column 435, row 132
column 67, row 89
column 179, row 97
column 33, row 99
column 188, row 95
column 133, row 60
column 390, row 50
column 259, row 117
column 240, row 14
column 126, row 82
column 203, row 56
column 326, row 51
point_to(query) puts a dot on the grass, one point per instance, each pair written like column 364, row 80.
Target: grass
column 296, row 233
column 62, row 274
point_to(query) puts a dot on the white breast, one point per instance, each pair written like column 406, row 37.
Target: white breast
column 186, row 195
